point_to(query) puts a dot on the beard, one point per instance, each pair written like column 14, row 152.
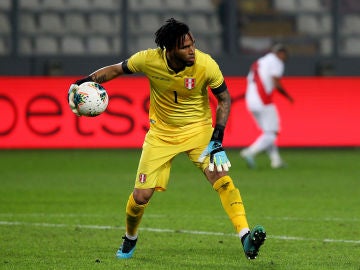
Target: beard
column 189, row 63
column 178, row 62
column 185, row 63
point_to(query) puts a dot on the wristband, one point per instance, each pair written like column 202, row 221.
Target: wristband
column 86, row 79
column 218, row 134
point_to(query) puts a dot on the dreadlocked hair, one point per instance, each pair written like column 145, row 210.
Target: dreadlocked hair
column 171, row 34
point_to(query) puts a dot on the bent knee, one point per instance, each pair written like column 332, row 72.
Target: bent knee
column 142, row 196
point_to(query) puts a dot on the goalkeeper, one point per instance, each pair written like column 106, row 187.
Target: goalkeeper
column 180, row 121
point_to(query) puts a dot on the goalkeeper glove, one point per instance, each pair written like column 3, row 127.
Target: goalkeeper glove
column 73, row 92
column 216, row 151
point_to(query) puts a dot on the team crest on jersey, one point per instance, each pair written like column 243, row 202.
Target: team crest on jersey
column 189, row 83
column 142, row 178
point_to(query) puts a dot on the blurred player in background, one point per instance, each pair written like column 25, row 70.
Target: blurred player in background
column 263, row 79
column 180, row 121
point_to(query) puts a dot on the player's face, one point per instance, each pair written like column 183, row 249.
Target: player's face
column 185, row 53
column 283, row 56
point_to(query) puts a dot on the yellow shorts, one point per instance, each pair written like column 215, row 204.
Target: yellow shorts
column 158, row 152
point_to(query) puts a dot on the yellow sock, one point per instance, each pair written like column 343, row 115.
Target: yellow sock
column 134, row 213
column 232, row 202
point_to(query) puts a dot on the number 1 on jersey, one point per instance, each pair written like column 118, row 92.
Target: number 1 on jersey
column 175, row 97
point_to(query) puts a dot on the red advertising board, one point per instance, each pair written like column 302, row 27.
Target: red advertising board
column 35, row 114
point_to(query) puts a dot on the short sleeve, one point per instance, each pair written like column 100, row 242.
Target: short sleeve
column 215, row 76
column 136, row 62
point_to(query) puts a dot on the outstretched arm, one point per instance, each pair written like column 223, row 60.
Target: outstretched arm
column 107, row 73
column 282, row 90
column 104, row 74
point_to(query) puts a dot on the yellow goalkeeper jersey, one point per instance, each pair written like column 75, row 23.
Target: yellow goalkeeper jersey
column 177, row 100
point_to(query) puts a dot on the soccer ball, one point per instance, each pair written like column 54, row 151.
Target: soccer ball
column 91, row 99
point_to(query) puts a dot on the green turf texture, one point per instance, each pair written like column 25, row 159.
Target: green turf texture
column 64, row 209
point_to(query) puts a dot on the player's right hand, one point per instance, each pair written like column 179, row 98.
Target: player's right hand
column 71, row 94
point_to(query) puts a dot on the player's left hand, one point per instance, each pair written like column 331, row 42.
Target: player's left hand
column 218, row 157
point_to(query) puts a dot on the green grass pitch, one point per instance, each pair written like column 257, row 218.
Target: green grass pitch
column 64, row 209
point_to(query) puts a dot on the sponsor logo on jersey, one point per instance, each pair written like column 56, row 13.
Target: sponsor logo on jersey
column 189, row 83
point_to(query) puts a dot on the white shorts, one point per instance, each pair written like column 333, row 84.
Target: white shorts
column 267, row 118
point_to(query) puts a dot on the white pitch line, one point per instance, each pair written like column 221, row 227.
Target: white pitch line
column 326, row 219
column 103, row 227
column 13, row 215
column 331, row 219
